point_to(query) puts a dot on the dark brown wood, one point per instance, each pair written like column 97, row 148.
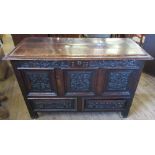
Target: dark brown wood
column 77, row 48
column 23, row 89
column 53, row 104
column 65, row 35
column 101, row 81
column 26, row 76
column 78, row 74
column 60, row 82
column 17, row 38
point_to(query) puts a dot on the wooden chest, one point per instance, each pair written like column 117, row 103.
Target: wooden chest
column 78, row 74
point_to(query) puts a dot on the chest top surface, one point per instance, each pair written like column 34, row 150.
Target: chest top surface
column 42, row 48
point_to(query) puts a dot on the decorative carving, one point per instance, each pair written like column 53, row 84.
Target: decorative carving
column 80, row 81
column 57, row 104
column 104, row 104
column 118, row 80
column 79, row 63
column 114, row 63
column 39, row 81
column 43, row 64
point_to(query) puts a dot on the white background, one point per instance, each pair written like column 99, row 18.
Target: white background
column 77, row 137
column 77, row 16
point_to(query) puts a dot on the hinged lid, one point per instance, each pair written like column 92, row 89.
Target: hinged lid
column 42, row 48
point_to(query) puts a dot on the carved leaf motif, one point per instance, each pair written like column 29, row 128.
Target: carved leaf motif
column 82, row 64
column 101, row 104
column 118, row 80
column 54, row 104
column 39, row 81
column 80, row 80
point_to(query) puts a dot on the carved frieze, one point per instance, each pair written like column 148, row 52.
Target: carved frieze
column 80, row 63
column 104, row 104
column 54, row 104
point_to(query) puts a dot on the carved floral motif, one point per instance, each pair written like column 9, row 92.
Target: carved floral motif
column 118, row 80
column 80, row 81
column 39, row 82
column 54, row 104
column 107, row 104
column 80, row 63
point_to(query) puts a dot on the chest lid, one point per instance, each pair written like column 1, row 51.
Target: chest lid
column 42, row 48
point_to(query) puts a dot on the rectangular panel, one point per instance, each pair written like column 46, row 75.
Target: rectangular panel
column 39, row 82
column 120, row 82
column 56, row 104
column 103, row 105
column 80, row 81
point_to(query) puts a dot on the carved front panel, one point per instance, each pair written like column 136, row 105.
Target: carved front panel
column 37, row 81
column 118, row 80
column 42, row 64
column 54, row 104
column 80, row 81
column 99, row 104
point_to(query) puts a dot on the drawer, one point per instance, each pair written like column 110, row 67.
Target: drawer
column 55, row 104
column 103, row 105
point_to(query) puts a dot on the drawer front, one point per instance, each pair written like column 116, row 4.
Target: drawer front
column 54, row 104
column 103, row 105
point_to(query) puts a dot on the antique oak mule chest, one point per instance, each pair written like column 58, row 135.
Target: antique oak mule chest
column 78, row 74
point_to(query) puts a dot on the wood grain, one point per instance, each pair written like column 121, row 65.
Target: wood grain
column 77, row 48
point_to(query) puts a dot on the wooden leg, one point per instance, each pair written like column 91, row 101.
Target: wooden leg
column 34, row 115
column 125, row 113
